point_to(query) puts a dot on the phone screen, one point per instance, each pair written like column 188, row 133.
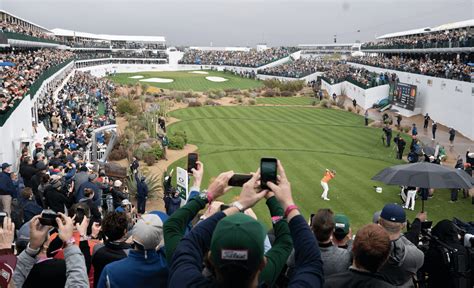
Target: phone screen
column 192, row 159
column 238, row 180
column 268, row 171
column 48, row 219
column 2, row 216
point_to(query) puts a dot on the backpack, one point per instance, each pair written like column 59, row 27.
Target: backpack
column 458, row 262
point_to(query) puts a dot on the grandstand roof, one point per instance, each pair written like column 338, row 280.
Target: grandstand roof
column 449, row 26
column 327, row 45
column 106, row 37
column 39, row 26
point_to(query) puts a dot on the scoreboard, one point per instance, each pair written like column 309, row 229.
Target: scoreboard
column 404, row 96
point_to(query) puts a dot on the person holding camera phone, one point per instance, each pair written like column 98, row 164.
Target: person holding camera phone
column 328, row 175
column 236, row 241
column 34, row 266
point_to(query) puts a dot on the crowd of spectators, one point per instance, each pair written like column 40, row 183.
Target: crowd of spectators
column 34, row 32
column 137, row 45
column 340, row 72
column 439, row 39
column 26, row 67
column 451, row 69
column 68, row 232
column 299, row 68
column 252, row 58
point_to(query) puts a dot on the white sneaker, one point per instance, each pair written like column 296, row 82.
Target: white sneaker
column 326, row 199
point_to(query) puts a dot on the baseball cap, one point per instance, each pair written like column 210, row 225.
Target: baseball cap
column 5, row 165
column 117, row 183
column 7, row 266
column 126, row 202
column 239, row 240
column 394, row 213
column 342, row 225
column 148, row 231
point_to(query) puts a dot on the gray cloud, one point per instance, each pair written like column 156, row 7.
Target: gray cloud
column 248, row 22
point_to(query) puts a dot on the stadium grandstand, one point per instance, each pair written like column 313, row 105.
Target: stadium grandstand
column 96, row 129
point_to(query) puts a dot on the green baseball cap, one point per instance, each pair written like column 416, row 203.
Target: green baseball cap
column 238, row 240
column 342, row 224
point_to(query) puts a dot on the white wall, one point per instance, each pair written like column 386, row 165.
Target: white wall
column 364, row 97
column 307, row 78
column 448, row 102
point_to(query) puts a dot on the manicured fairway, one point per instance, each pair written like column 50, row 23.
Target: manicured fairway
column 286, row 100
column 183, row 80
column 306, row 140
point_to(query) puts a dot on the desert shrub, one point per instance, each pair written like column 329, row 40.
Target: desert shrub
column 325, row 103
column 216, row 94
column 125, row 106
column 246, row 94
column 292, row 86
column 176, row 142
column 406, row 129
column 349, row 108
column 142, row 135
column 239, row 99
column 156, row 151
column 286, row 93
column 340, row 102
column 210, row 102
column 314, row 103
column 252, row 102
column 358, row 110
column 189, row 94
column 333, row 103
column 269, row 93
column 149, row 159
column 153, row 182
column 182, row 134
column 118, row 154
column 271, row 83
column 194, row 104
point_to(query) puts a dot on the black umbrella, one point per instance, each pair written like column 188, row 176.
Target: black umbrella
column 429, row 150
column 425, row 175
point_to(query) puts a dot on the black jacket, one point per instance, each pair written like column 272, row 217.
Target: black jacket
column 355, row 279
column 27, row 172
column 56, row 200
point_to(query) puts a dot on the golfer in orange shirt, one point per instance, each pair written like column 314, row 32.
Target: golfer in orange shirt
column 328, row 175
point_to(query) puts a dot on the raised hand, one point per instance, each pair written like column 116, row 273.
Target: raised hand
column 82, row 228
column 198, row 173
column 65, row 227
column 38, row 233
column 219, row 185
column 251, row 192
column 7, row 233
column 283, row 189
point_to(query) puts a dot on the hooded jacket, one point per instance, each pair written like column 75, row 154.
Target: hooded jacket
column 403, row 262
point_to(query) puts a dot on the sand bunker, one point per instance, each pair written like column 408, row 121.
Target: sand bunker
column 199, row 72
column 136, row 77
column 157, row 80
column 216, row 79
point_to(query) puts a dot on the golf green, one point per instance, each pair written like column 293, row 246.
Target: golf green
column 307, row 140
column 186, row 80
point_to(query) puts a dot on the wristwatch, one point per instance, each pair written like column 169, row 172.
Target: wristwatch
column 237, row 205
column 203, row 195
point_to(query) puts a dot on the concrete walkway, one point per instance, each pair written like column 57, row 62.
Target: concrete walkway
column 461, row 143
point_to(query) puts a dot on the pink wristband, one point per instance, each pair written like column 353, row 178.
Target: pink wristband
column 289, row 209
column 209, row 198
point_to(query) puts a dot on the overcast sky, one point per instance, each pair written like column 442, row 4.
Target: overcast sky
column 244, row 22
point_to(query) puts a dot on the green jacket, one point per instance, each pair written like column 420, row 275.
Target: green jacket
column 175, row 227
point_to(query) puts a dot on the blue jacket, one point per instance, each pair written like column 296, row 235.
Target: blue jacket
column 6, row 184
column 188, row 256
column 142, row 188
column 136, row 271
column 97, row 192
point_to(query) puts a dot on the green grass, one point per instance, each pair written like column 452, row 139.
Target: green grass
column 286, row 100
column 183, row 80
column 101, row 108
column 307, row 140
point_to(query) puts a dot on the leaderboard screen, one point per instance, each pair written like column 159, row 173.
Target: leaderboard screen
column 404, row 96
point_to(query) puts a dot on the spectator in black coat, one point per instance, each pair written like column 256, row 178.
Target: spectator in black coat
column 58, row 197
column 172, row 203
column 27, row 171
column 435, row 264
column 114, row 248
column 95, row 213
column 28, row 205
column 117, row 194
column 142, row 193
column 370, row 251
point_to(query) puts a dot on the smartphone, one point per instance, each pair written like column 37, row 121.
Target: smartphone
column 310, row 221
column 2, row 216
column 224, row 207
column 192, row 159
column 80, row 213
column 238, row 180
column 48, row 218
column 268, row 171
